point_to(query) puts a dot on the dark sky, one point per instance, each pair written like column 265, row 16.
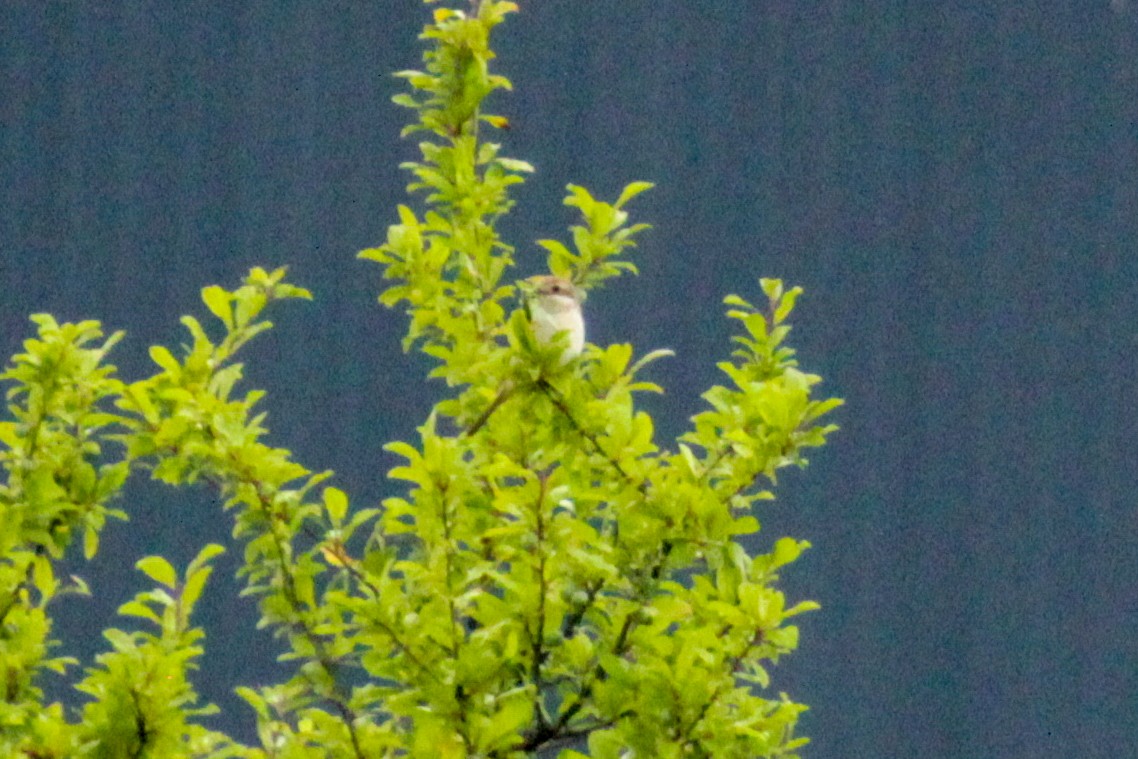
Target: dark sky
column 954, row 184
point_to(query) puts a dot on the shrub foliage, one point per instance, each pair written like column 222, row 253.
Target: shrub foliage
column 554, row 582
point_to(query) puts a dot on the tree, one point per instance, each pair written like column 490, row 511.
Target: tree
column 552, row 581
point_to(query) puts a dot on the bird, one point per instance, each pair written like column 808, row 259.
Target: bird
column 553, row 304
column 555, row 307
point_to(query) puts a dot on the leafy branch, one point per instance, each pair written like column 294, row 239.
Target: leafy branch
column 553, row 579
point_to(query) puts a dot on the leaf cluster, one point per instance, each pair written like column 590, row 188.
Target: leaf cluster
column 557, row 576
column 555, row 581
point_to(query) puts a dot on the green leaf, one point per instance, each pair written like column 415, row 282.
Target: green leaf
column 786, row 304
column 162, row 356
column 580, row 197
column 735, row 300
column 136, row 608
column 43, row 577
column 802, row 607
column 159, row 570
column 631, row 191
column 787, row 550
column 648, row 358
column 503, row 728
column 205, row 555
column 90, row 542
column 336, row 503
column 772, row 288
column 218, row 301
column 515, row 165
column 195, row 584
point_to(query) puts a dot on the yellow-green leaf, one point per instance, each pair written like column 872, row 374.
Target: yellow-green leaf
column 159, row 570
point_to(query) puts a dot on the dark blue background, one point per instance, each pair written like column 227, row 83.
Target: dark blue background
column 954, row 184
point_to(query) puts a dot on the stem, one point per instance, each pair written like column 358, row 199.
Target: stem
column 538, row 635
column 555, row 397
